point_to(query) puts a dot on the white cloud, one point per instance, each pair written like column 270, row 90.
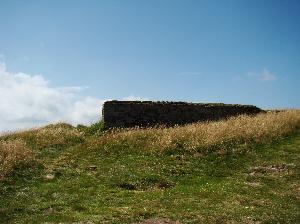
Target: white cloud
column 252, row 74
column 134, row 98
column 28, row 101
column 264, row 76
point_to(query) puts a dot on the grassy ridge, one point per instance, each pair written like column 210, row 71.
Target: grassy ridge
column 219, row 135
column 245, row 169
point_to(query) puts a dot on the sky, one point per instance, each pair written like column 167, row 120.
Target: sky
column 61, row 59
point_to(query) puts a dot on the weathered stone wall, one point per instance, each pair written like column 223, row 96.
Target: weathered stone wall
column 148, row 113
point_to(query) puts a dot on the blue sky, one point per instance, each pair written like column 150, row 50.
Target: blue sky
column 245, row 52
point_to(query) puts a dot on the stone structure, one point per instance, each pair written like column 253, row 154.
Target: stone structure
column 147, row 113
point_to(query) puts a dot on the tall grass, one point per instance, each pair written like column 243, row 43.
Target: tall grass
column 52, row 135
column 57, row 135
column 13, row 153
column 20, row 147
column 201, row 137
column 204, row 136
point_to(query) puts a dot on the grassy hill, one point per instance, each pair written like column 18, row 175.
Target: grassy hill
column 241, row 170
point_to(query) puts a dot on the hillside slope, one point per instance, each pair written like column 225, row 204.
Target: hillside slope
column 88, row 176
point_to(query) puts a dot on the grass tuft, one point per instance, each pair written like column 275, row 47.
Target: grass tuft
column 12, row 154
column 57, row 135
column 95, row 129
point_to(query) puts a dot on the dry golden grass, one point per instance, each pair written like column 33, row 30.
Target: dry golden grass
column 12, row 153
column 48, row 136
column 243, row 129
column 14, row 150
column 58, row 134
column 218, row 135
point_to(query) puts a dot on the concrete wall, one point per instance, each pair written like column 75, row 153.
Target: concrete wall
column 148, row 113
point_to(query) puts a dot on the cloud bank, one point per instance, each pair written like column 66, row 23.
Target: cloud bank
column 28, row 101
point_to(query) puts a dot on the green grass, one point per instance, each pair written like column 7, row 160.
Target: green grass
column 123, row 184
